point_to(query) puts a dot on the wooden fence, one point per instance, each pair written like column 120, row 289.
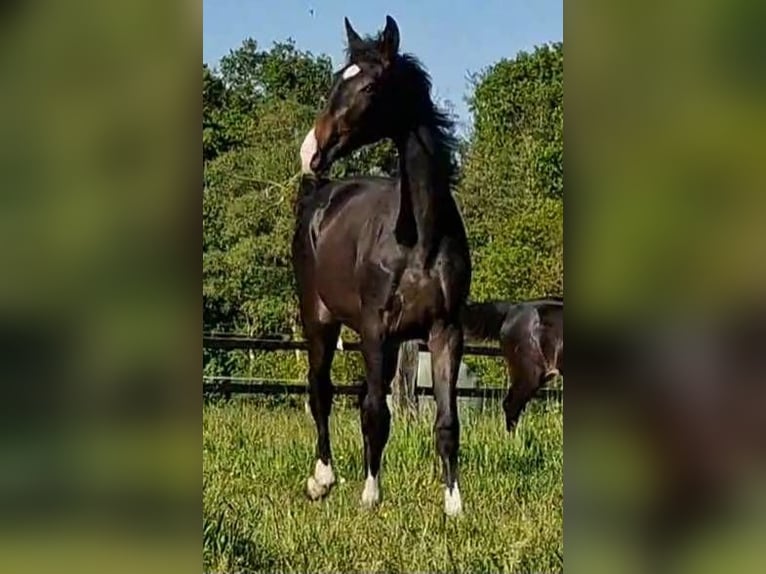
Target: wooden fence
column 228, row 386
column 219, row 341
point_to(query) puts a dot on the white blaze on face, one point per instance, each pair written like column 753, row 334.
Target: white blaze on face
column 351, row 71
column 308, row 149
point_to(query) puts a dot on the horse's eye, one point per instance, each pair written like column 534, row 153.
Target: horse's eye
column 369, row 88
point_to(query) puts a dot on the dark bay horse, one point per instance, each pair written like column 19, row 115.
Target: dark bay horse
column 531, row 336
column 387, row 257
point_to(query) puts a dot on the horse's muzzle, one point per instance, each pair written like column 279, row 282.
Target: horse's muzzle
column 318, row 162
column 324, row 157
column 322, row 160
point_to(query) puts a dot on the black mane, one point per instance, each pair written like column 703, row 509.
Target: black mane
column 415, row 83
column 415, row 76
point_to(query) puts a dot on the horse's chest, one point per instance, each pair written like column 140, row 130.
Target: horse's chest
column 415, row 302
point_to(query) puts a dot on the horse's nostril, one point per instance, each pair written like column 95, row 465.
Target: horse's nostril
column 316, row 161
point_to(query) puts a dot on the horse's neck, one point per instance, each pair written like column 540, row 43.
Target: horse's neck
column 423, row 187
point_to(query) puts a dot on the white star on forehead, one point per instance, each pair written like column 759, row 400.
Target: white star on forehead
column 351, row 71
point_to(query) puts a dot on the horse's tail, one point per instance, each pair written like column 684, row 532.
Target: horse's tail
column 483, row 321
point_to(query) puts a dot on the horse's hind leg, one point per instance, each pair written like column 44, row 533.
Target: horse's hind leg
column 527, row 372
column 380, row 357
column 446, row 346
column 322, row 339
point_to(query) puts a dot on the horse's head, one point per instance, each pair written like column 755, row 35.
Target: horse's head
column 362, row 105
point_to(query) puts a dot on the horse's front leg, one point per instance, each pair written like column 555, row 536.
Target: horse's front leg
column 380, row 356
column 322, row 339
column 446, row 346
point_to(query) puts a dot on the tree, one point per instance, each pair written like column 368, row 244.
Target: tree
column 249, row 78
column 512, row 186
column 517, row 107
column 283, row 72
column 247, row 211
column 214, row 140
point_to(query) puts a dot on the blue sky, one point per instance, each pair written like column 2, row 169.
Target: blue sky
column 451, row 38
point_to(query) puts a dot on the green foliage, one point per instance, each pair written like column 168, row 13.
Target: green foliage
column 247, row 227
column 523, row 257
column 249, row 78
column 283, row 72
column 247, row 221
column 519, row 122
column 257, row 108
column 512, row 188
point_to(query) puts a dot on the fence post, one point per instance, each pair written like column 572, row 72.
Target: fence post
column 403, row 386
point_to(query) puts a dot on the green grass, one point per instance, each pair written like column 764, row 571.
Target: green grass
column 257, row 456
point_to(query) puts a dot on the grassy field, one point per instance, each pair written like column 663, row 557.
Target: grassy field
column 256, row 518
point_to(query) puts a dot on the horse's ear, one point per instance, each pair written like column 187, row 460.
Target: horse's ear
column 389, row 41
column 352, row 37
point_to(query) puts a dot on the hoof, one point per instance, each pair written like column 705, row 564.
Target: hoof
column 371, row 493
column 552, row 374
column 319, row 485
column 453, row 505
column 315, row 490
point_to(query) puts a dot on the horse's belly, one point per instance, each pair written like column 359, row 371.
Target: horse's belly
column 336, row 284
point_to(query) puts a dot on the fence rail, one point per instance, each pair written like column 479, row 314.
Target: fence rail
column 218, row 341
column 228, row 386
